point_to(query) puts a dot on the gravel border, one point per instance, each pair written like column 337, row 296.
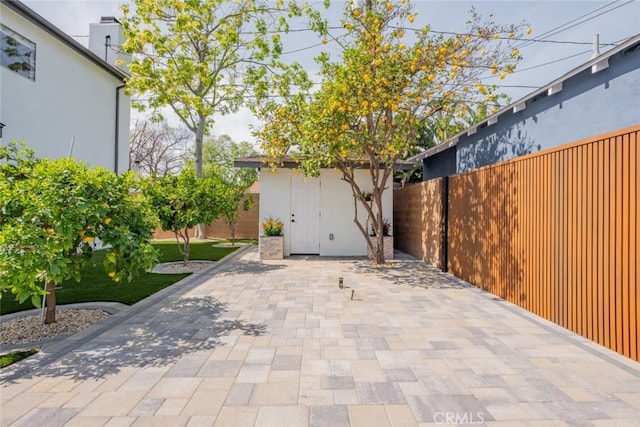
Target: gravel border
column 178, row 267
column 107, row 307
column 229, row 245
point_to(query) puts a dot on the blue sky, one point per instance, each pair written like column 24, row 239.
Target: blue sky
column 563, row 32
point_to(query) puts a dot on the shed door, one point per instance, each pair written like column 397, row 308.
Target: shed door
column 305, row 215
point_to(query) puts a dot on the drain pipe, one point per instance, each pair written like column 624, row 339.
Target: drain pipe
column 117, row 138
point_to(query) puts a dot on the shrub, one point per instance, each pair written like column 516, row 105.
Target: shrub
column 272, row 227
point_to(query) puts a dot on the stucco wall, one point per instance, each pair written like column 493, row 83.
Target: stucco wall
column 440, row 164
column 588, row 104
column 70, row 97
column 336, row 210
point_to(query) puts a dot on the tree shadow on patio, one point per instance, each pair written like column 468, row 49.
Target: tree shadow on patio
column 185, row 327
column 411, row 272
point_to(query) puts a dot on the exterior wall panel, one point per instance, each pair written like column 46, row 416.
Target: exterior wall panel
column 588, row 104
column 336, row 209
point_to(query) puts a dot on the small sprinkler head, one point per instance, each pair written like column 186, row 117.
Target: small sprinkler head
column 340, row 282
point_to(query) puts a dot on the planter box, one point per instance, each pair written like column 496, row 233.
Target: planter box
column 388, row 246
column 271, row 247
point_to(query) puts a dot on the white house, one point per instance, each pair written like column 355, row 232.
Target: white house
column 58, row 96
column 318, row 212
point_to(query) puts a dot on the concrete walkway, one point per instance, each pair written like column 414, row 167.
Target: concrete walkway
column 276, row 343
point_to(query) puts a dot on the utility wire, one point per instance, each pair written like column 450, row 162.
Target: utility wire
column 559, row 29
column 548, row 32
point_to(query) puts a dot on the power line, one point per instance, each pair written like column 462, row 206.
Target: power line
column 560, row 28
column 533, row 67
column 537, row 40
column 526, row 41
column 302, row 49
column 548, row 32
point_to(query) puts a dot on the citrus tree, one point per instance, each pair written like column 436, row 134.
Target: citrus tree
column 183, row 201
column 218, row 157
column 390, row 77
column 52, row 214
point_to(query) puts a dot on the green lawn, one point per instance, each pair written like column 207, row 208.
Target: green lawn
column 16, row 356
column 97, row 286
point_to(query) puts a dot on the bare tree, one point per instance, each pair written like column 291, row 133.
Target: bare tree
column 157, row 148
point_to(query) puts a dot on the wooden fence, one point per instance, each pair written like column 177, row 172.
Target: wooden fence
column 246, row 228
column 422, row 235
column 555, row 232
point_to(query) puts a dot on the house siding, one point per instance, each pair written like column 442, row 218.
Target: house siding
column 439, row 165
column 588, row 104
column 71, row 99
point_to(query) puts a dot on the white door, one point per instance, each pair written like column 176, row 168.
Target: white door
column 305, row 215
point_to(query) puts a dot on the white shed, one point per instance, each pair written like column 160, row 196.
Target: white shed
column 318, row 213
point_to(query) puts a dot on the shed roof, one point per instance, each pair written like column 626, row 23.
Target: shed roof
column 290, row 163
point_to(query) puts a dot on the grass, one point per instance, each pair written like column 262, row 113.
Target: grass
column 95, row 285
column 10, row 358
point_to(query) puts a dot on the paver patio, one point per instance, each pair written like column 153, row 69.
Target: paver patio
column 277, row 343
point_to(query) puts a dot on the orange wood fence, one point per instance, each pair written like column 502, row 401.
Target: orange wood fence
column 421, row 236
column 556, row 232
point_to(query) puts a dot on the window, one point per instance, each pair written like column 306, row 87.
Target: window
column 17, row 53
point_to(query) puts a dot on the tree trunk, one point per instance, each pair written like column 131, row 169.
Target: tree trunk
column 50, row 298
column 199, row 234
column 185, row 253
column 198, row 148
column 378, row 255
column 232, row 227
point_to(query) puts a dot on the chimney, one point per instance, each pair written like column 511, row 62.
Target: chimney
column 595, row 46
column 109, row 20
column 105, row 40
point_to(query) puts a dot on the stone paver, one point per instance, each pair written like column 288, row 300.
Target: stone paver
column 277, row 343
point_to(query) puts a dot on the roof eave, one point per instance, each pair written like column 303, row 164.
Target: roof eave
column 291, row 164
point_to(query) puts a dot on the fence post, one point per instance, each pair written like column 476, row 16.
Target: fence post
column 445, row 224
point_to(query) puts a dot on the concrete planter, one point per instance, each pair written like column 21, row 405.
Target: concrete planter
column 388, row 246
column 271, row 247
